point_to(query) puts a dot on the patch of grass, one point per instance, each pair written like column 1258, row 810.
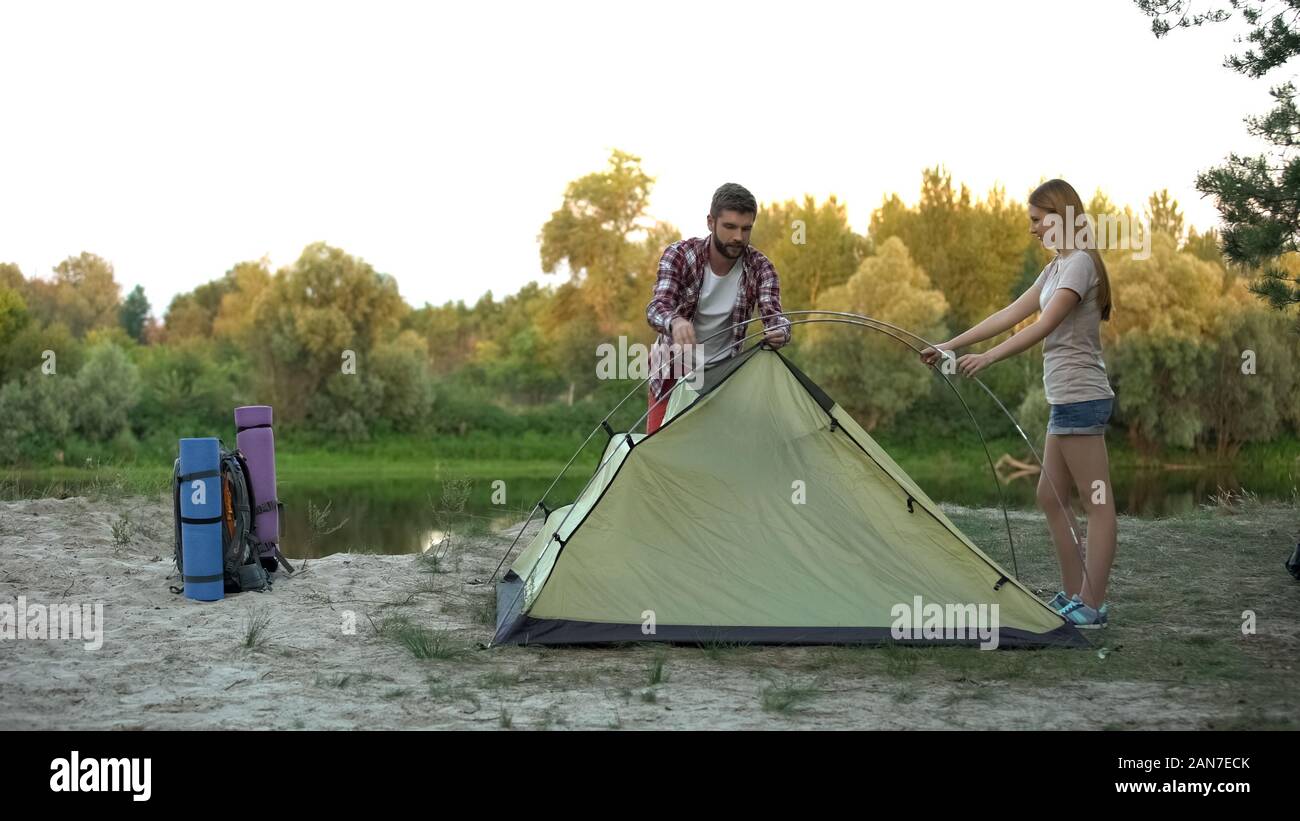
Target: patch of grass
column 340, row 681
column 1227, row 502
column 318, row 523
column 505, row 719
column 574, row 676
column 483, row 610
column 656, row 674
column 649, row 696
column 549, row 719
column 900, row 661
column 123, row 529
column 498, row 679
column 968, row 690
column 904, row 695
column 434, row 560
column 449, row 520
column 785, row 699
column 451, row 692
column 257, row 622
column 720, row 651
column 422, row 642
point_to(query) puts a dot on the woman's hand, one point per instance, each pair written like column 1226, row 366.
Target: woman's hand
column 934, row 353
column 973, row 363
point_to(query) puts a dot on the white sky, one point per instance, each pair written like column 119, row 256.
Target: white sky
column 434, row 140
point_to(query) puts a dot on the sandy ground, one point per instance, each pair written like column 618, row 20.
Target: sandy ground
column 169, row 663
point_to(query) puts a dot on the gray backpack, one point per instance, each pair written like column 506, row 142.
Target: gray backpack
column 240, row 564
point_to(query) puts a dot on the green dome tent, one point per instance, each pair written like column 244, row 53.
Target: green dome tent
column 760, row 512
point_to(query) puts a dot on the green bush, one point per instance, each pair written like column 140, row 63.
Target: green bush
column 37, row 414
column 107, row 389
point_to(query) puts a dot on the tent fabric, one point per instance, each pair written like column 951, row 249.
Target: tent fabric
column 759, row 512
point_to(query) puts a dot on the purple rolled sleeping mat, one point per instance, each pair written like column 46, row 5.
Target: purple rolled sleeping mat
column 256, row 441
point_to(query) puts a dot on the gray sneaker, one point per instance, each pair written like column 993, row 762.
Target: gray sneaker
column 1082, row 616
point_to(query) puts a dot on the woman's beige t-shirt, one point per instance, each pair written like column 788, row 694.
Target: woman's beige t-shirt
column 1073, row 370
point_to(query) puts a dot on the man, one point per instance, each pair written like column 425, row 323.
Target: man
column 706, row 285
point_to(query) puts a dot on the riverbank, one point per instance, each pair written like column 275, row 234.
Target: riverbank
column 374, row 641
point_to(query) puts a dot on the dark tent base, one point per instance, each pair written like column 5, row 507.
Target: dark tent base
column 512, row 629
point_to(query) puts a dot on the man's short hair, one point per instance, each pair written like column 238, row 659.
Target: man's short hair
column 733, row 197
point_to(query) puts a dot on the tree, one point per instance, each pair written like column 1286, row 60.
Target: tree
column 598, row 233
column 1164, row 215
column 26, row 351
column 450, row 332
column 512, row 355
column 82, row 295
column 1204, row 246
column 315, row 311
column 873, row 376
column 1252, row 384
column 237, row 308
column 1258, row 197
column 192, row 314
column 107, row 389
column 37, row 413
column 811, row 245
column 570, row 340
column 135, row 313
column 190, row 384
column 972, row 251
column 1174, row 352
column 1274, row 31
column 11, row 276
column 13, row 314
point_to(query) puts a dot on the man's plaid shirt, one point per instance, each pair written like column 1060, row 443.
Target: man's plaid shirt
column 677, row 293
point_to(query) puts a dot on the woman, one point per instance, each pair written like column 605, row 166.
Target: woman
column 1073, row 295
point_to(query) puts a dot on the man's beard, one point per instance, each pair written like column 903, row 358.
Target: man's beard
column 729, row 253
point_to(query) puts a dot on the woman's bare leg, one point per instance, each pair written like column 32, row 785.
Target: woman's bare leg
column 1060, row 517
column 1088, row 463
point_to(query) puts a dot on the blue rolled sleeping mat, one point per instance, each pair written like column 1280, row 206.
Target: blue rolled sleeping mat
column 201, row 522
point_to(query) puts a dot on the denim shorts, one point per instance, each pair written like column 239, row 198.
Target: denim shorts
column 1074, row 418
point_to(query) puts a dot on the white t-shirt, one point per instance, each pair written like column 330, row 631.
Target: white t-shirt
column 713, row 312
column 1073, row 370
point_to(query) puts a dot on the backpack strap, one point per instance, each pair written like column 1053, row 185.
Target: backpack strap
column 266, row 507
column 274, row 549
column 179, row 554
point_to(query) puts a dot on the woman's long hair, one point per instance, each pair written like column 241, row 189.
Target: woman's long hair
column 1059, row 197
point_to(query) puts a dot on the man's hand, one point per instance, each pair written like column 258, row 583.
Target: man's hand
column 683, row 332
column 775, row 337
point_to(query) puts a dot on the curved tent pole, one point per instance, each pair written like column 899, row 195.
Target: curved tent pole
column 1068, row 518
